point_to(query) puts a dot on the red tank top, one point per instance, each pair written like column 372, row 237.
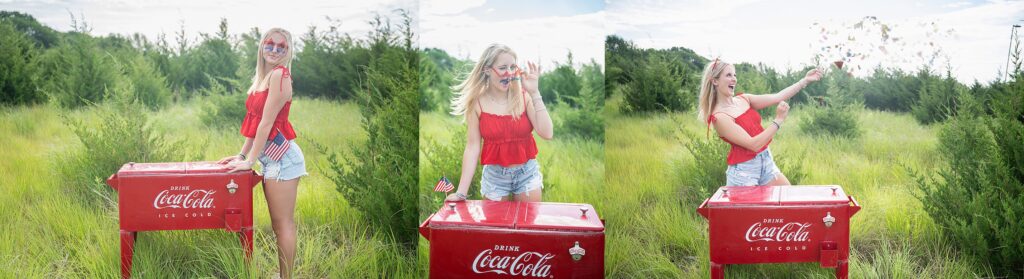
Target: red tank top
column 750, row 121
column 507, row 141
column 254, row 113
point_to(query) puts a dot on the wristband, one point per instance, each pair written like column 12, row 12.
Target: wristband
column 777, row 125
column 241, row 155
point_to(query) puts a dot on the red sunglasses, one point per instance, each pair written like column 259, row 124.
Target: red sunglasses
column 271, row 46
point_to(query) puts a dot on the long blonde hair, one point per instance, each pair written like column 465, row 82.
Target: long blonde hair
column 259, row 76
column 708, row 96
column 476, row 82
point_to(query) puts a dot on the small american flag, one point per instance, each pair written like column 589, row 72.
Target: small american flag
column 443, row 185
column 277, row 147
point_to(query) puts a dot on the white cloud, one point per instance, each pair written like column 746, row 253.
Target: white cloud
column 154, row 17
column 545, row 39
column 447, row 7
column 629, row 13
column 777, row 32
column 957, row 5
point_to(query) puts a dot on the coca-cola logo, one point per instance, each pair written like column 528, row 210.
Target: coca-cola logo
column 182, row 197
column 778, row 230
column 527, row 263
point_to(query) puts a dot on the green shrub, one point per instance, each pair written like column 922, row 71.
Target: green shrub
column 831, row 120
column 150, row 86
column 77, row 73
column 937, row 99
column 379, row 179
column 213, row 56
column 586, row 120
column 122, row 135
column 977, row 200
column 561, row 84
column 223, row 110
column 707, row 172
column 18, row 71
column 654, row 88
column 892, row 90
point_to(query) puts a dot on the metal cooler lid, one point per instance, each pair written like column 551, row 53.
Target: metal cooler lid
column 813, row 195
column 745, row 196
column 558, row 216
column 143, row 169
column 476, row 213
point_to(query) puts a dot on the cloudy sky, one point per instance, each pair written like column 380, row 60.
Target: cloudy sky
column 151, row 17
column 538, row 30
column 779, row 33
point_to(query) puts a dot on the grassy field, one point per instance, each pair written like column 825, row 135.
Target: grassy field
column 573, row 170
column 654, row 230
column 51, row 234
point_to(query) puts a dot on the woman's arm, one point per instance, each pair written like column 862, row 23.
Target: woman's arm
column 728, row 129
column 762, row 101
column 470, row 157
column 536, row 110
column 279, row 93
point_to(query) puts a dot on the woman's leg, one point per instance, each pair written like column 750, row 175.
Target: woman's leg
column 780, row 180
column 281, row 202
column 530, row 196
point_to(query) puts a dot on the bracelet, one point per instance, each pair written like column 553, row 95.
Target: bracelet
column 460, row 195
column 241, row 155
column 777, row 125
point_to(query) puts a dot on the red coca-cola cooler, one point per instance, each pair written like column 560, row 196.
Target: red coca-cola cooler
column 182, row 196
column 779, row 224
column 488, row 239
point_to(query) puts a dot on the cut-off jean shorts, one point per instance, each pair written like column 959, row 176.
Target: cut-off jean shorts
column 498, row 182
column 757, row 171
column 291, row 166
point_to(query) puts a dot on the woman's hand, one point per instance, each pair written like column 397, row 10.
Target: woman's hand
column 781, row 111
column 229, row 159
column 454, row 197
column 813, row 75
column 240, row 165
column 531, row 78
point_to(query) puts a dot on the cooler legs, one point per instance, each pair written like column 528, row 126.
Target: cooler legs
column 246, row 237
column 842, row 270
column 127, row 249
column 717, row 271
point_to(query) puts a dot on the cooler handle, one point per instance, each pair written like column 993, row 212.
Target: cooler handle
column 855, row 207
column 424, row 229
column 257, row 179
column 112, row 181
column 703, row 209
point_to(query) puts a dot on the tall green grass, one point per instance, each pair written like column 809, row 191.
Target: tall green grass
column 655, row 232
column 50, row 234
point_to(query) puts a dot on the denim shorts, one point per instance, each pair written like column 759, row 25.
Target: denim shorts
column 755, row 172
column 498, row 182
column 291, row 166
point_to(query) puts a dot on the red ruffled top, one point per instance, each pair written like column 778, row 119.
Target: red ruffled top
column 507, row 141
column 750, row 121
column 254, row 112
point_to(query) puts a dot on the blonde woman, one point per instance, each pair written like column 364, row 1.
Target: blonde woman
column 737, row 122
column 266, row 119
column 503, row 108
